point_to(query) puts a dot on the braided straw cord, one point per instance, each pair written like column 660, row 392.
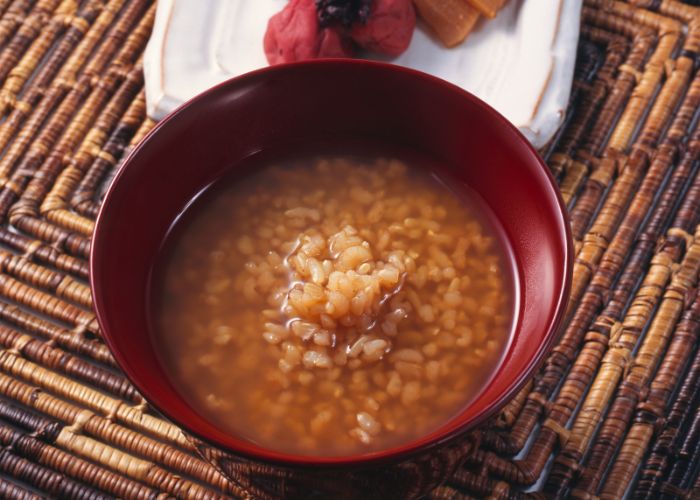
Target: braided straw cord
column 615, row 408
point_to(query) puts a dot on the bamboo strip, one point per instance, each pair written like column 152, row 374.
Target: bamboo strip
column 640, row 434
column 663, row 453
column 42, row 478
column 74, row 340
column 103, row 429
column 50, row 84
column 565, row 352
column 43, row 252
column 616, row 358
column 646, row 361
column 4, row 4
column 447, row 493
column 507, row 415
column 91, row 207
column 588, row 103
column 31, row 448
column 83, row 197
column 588, row 156
column 62, row 286
column 46, row 303
column 54, row 130
column 55, row 207
column 130, row 466
column 132, row 416
column 41, row 21
column 617, row 50
column 55, row 358
column 11, row 491
column 24, row 213
column 681, row 476
column 596, row 240
column 12, row 18
column 669, row 33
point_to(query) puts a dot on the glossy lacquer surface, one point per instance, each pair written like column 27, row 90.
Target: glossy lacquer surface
column 278, row 108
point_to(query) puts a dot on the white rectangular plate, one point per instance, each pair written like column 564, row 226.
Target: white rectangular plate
column 521, row 62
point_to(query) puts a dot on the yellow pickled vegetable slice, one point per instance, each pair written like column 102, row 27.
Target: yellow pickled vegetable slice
column 451, row 20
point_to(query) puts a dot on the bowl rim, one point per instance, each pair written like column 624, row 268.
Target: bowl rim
column 383, row 456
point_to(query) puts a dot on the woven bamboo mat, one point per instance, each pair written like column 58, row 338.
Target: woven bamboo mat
column 615, row 409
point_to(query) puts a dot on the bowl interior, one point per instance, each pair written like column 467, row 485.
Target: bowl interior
column 276, row 108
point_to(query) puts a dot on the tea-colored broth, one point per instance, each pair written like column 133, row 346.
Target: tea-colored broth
column 332, row 306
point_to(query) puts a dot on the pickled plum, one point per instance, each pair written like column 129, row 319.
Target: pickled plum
column 294, row 34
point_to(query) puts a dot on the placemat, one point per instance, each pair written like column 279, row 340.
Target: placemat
column 614, row 410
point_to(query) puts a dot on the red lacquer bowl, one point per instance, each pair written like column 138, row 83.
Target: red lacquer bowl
column 275, row 107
